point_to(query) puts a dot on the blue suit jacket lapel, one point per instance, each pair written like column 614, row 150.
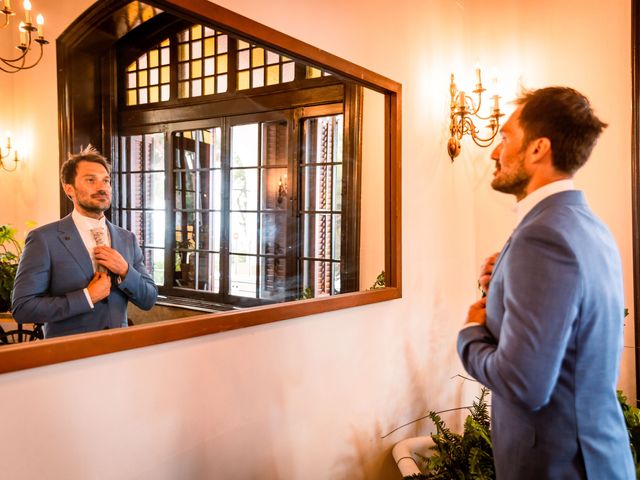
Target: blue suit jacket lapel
column 70, row 237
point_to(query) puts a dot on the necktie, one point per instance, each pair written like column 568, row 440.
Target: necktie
column 98, row 236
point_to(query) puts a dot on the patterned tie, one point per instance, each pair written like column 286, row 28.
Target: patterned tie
column 98, row 236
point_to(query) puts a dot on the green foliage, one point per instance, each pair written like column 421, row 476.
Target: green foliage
column 380, row 282
column 307, row 293
column 465, row 457
column 632, row 419
column 10, row 250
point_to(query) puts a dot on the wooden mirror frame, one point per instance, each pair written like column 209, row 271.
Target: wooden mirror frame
column 56, row 350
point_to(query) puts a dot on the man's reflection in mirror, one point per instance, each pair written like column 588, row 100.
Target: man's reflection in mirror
column 79, row 273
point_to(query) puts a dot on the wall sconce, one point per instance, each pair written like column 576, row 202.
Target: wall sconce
column 282, row 189
column 463, row 108
column 5, row 153
column 27, row 37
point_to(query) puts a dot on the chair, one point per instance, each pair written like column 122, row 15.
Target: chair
column 21, row 334
column 404, row 451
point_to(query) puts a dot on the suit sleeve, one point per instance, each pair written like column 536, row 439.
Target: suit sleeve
column 542, row 288
column 138, row 285
column 32, row 301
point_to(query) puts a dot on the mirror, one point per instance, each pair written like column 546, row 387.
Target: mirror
column 260, row 174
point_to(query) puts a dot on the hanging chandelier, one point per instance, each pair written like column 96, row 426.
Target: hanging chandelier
column 30, row 35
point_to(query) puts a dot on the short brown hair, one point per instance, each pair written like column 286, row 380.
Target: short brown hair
column 565, row 117
column 69, row 168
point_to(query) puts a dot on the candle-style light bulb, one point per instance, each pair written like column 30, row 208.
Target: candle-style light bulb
column 23, row 34
column 478, row 80
column 27, row 11
column 7, row 4
column 9, row 140
column 40, row 22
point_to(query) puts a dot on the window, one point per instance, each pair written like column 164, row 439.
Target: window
column 225, row 208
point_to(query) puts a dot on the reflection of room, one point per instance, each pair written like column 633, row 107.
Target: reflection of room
column 217, row 191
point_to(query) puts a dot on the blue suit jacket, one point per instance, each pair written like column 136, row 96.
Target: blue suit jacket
column 54, row 269
column 550, row 351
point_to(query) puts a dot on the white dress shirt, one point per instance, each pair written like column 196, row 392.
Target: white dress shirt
column 84, row 226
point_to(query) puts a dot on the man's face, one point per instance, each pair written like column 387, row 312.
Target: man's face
column 511, row 175
column 91, row 190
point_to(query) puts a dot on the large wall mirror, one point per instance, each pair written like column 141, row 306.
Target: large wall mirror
column 260, row 175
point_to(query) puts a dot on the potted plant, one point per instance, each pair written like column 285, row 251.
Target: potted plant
column 10, row 250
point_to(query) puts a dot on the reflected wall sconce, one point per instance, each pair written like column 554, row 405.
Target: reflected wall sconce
column 463, row 110
column 5, row 153
column 29, row 36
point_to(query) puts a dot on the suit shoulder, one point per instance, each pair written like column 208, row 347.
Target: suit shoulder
column 52, row 227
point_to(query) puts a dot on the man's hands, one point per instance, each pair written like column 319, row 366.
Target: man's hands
column 111, row 260
column 486, row 270
column 478, row 310
column 99, row 287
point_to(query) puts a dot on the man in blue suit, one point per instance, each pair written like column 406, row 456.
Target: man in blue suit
column 547, row 338
column 78, row 274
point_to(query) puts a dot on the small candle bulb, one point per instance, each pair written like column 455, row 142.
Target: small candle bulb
column 478, row 80
column 27, row 12
column 7, row 4
column 9, row 140
column 461, row 100
column 40, row 22
column 23, row 34
column 496, row 105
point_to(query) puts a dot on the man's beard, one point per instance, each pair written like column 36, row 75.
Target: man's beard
column 93, row 208
column 514, row 183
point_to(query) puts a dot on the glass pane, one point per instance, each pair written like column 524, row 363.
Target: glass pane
column 164, row 56
column 222, row 64
column 258, row 77
column 196, row 68
column 136, row 153
column 154, row 262
column 135, row 190
column 288, row 72
column 275, row 140
column 242, row 273
column 215, row 192
column 142, row 61
column 273, row 278
column 209, row 238
column 196, row 32
column 131, row 80
column 142, row 95
column 337, row 232
column 142, row 78
column 273, row 234
column 154, row 94
column 209, row 66
column 222, row 83
column 337, row 187
column 196, row 88
column 243, row 231
column 164, row 93
column 243, row 60
column 132, row 97
column 154, row 228
column 164, row 75
column 243, row 80
column 244, row 189
column 154, row 190
column 317, row 236
column 136, row 226
column 184, row 269
column 185, row 196
column 154, row 151
column 244, row 145
column 153, row 58
column 183, row 89
column 183, row 52
column 209, row 88
column 209, row 47
column 335, row 267
column 318, row 187
column 154, row 76
column 275, row 189
column 185, row 237
column 257, row 57
column 183, row 36
column 317, row 278
column 196, row 49
column 272, row 58
column 273, row 74
column 222, row 44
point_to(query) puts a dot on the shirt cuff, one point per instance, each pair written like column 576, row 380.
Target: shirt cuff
column 86, row 294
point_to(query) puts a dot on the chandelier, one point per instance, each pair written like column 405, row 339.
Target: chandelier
column 30, row 35
column 463, row 110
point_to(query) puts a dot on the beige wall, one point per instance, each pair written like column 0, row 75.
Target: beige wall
column 310, row 397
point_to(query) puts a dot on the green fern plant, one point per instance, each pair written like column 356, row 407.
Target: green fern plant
column 632, row 419
column 465, row 457
column 10, row 250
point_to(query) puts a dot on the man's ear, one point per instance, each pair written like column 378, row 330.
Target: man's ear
column 68, row 190
column 540, row 148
